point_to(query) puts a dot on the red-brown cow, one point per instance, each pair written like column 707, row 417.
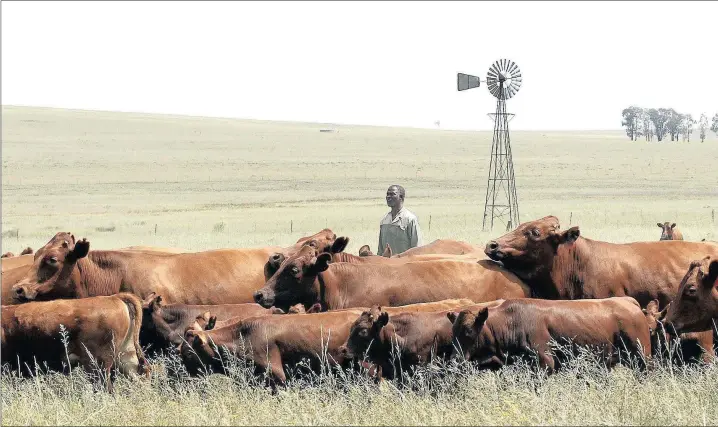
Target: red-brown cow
column 696, row 306
column 64, row 268
column 163, row 325
column 271, row 342
column 669, row 231
column 405, row 339
column 562, row 265
column 104, row 329
column 308, row 278
column 492, row 336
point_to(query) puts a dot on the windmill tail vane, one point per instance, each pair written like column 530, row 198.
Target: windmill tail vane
column 503, row 81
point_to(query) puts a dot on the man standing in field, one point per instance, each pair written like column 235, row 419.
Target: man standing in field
column 399, row 228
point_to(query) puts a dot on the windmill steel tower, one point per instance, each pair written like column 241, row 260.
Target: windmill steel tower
column 503, row 81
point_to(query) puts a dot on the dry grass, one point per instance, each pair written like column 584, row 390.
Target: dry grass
column 200, row 183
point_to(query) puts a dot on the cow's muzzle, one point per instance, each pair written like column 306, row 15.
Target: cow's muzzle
column 493, row 252
column 23, row 293
column 263, row 299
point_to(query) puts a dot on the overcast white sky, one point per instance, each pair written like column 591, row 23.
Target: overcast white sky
column 376, row 63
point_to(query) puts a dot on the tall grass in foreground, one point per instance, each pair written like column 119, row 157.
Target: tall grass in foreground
column 450, row 393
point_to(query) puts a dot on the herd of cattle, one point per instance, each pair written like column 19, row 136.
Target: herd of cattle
column 276, row 306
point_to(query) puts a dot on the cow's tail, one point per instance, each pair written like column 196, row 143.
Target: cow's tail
column 134, row 306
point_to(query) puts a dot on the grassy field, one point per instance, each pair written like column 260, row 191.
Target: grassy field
column 202, row 183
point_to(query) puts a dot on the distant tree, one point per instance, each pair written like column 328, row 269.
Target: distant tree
column 673, row 124
column 659, row 118
column 686, row 127
column 632, row 122
column 714, row 125
column 647, row 125
column 702, row 126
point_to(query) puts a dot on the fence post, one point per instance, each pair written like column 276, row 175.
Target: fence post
column 570, row 219
column 155, row 229
column 291, row 226
column 429, row 222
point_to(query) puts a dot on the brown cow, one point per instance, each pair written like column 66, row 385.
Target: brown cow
column 439, row 246
column 271, row 342
column 164, row 325
column 66, row 269
column 27, row 251
column 490, row 336
column 7, row 255
column 409, row 338
column 562, row 265
column 696, row 306
column 308, row 278
column 687, row 349
column 9, row 279
column 101, row 330
column 669, row 231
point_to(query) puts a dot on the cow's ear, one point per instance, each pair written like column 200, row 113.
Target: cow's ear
column 481, row 317
column 569, row 235
column 339, row 245
column 210, row 324
column 315, row 308
column 383, row 319
column 673, row 225
column 652, row 308
column 712, row 273
column 387, row 251
column 321, row 263
column 81, row 249
column 365, row 251
column 452, row 316
column 659, row 224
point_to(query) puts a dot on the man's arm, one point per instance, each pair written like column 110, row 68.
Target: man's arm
column 414, row 230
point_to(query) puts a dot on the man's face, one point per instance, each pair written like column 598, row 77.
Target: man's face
column 392, row 197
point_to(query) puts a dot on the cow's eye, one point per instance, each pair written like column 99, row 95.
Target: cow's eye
column 51, row 261
column 295, row 270
column 690, row 291
column 535, row 232
column 363, row 333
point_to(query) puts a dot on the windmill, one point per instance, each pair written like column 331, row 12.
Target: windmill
column 503, row 81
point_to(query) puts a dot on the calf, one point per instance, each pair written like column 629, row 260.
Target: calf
column 669, row 231
column 410, row 337
column 520, row 327
column 271, row 342
column 164, row 325
column 104, row 329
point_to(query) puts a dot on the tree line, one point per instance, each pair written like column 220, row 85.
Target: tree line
column 661, row 122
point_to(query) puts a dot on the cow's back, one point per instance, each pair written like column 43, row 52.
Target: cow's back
column 427, row 281
column 17, row 261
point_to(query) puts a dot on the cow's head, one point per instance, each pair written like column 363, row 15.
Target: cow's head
column 697, row 301
column 157, row 322
column 531, row 247
column 7, row 255
column 198, row 351
column 364, row 331
column 323, row 240
column 49, row 276
column 470, row 337
column 666, row 230
column 277, row 258
column 295, row 281
column 27, row 251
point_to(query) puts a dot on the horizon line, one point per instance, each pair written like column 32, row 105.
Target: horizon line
column 300, row 122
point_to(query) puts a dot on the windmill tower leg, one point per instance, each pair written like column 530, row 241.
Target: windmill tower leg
column 501, row 200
